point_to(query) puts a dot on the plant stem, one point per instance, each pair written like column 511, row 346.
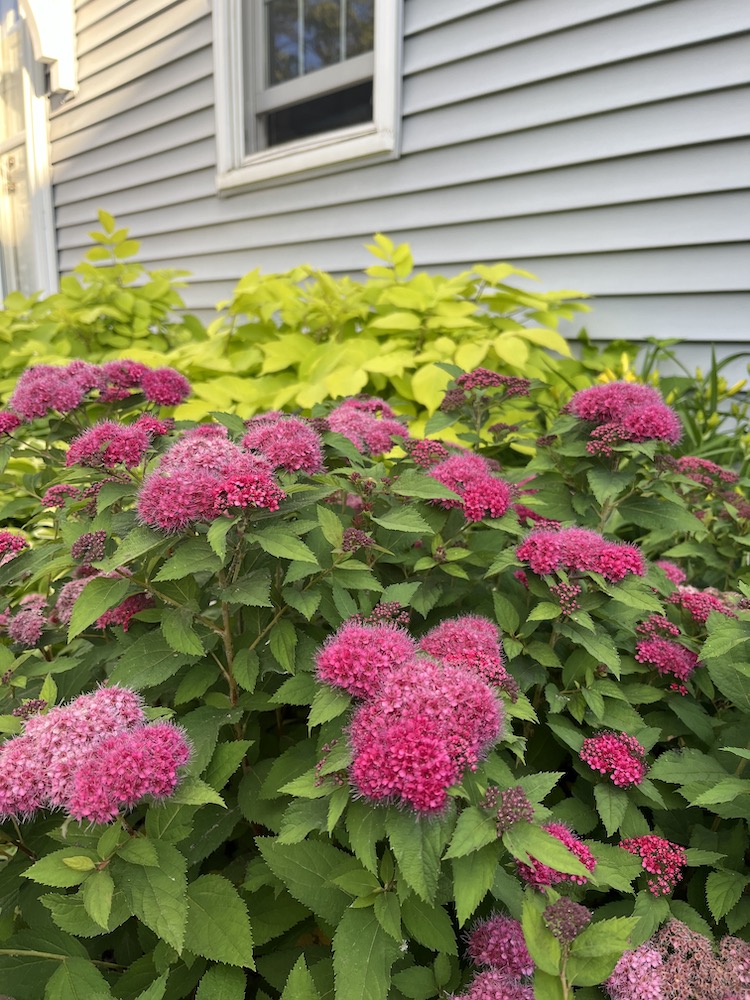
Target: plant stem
column 24, row 953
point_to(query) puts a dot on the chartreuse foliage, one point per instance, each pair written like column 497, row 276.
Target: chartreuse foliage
column 266, row 875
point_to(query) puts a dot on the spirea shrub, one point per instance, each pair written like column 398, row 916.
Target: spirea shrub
column 310, row 707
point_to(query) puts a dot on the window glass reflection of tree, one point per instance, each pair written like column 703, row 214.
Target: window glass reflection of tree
column 307, row 35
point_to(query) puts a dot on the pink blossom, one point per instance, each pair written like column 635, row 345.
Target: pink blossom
column 656, row 422
column 661, row 858
column 637, row 976
column 510, row 806
column 46, row 388
column 124, row 374
column 470, row 476
column 499, row 943
column 668, row 657
column 26, row 627
column 699, row 604
column 21, row 779
column 109, row 444
column 8, row 422
column 252, row 487
column 625, row 411
column 89, row 547
column 617, row 755
column 358, row 655
column 483, row 378
column 425, row 452
column 57, row 495
column 123, row 612
column 285, row 442
column 165, row 386
column 705, row 472
column 66, row 598
column 10, row 546
column 528, row 517
column 540, row 876
column 492, row 984
column 369, row 423
column 672, row 572
column 471, row 642
column 152, row 426
column 546, row 551
column 611, row 401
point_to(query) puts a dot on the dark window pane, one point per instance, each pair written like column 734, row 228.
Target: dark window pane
column 359, row 27
column 352, row 106
column 283, row 41
column 322, row 34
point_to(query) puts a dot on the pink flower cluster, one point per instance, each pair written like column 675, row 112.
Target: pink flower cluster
column 10, row 546
column 369, row 423
column 624, row 411
column 109, row 444
column 121, row 614
column 46, row 389
column 637, row 976
column 617, row 755
column 498, row 942
column 481, row 493
column 91, row 758
column 483, row 378
column 540, row 876
column 672, row 571
column 357, row 656
column 473, row 643
column 425, row 452
column 581, row 550
column 495, row 985
column 661, row 858
column 705, row 472
column 285, row 442
column 660, row 650
column 203, row 476
column 699, row 604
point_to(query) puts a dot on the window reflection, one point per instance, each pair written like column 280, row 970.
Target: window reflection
column 307, row 35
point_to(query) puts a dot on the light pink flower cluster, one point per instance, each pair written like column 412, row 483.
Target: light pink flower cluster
column 660, row 650
column 26, row 626
column 495, row 985
column 680, row 964
column 581, row 550
column 9, row 422
column 369, row 423
column 617, row 755
column 285, row 442
column 481, row 493
column 357, row 656
column 202, row 476
column 91, row 758
column 499, row 943
column 529, row 518
column 46, row 389
column 699, row 604
column 661, row 858
column 10, row 546
column 705, row 472
column 483, row 378
column 425, row 452
column 471, row 642
column 672, row 571
column 108, row 444
column 540, row 876
column 624, row 411
column 121, row 614
column 413, row 739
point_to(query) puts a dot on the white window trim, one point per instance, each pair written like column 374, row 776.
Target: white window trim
column 376, row 140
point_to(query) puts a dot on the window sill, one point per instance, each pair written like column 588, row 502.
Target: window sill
column 320, row 154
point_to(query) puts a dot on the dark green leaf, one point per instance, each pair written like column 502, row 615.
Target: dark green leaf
column 218, row 926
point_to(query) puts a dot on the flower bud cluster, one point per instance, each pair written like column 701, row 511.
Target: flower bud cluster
column 540, row 875
column 662, row 859
column 369, row 423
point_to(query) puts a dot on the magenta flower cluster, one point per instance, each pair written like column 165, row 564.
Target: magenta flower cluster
column 580, row 550
column 658, row 649
column 369, row 423
column 498, row 942
column 540, row 875
column 92, row 758
column 10, row 546
column 471, row 642
column 285, row 442
column 46, row 389
column 492, row 984
column 699, row 604
column 617, row 755
column 624, row 411
column 424, row 721
column 480, row 493
column 203, row 476
column 662, row 859
column 108, row 443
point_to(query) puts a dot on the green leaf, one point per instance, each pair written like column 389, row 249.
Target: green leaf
column 52, row 870
column 429, row 924
column 731, row 675
column 216, row 536
column 177, row 629
column 97, row 893
column 148, row 662
column 77, row 979
column 299, row 986
column 611, row 804
column 417, row 983
column 218, row 926
column 357, row 882
column 156, row 990
column 222, row 982
column 696, row 857
column 245, row 668
column 253, row 590
column 365, row 826
column 192, row 791
column 157, row 895
column 649, row 511
column 306, row 602
column 283, row 642
column 388, row 913
column 684, row 766
column 404, row 519
column 139, row 851
column 98, row 596
column 136, row 543
column 327, row 704
column 547, row 987
column 544, row 611
column 280, row 542
column 475, row 829
column 417, row 844
column 306, row 869
column 331, row 526
column 615, row 866
column 225, row 761
column 194, row 555
column 69, row 914
column 543, row 946
column 473, row 877
column 363, row 955
column 723, row 892
column 524, row 840
column 27, row 972
column 726, row 790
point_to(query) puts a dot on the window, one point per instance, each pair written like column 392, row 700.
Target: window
column 304, row 85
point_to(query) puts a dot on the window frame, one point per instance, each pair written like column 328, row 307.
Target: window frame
column 239, row 99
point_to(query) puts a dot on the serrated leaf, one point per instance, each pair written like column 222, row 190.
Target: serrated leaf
column 363, row 955
column 97, row 893
column 684, row 766
column 404, row 519
column 136, row 543
column 300, row 985
column 416, row 983
column 245, row 668
column 282, row 643
column 424, row 487
column 475, row 829
column 218, row 926
column 327, row 704
column 524, row 840
column 388, row 914
column 615, row 866
column 157, row 896
column 429, row 924
column 216, row 536
column 365, row 826
column 305, row 869
column 52, row 870
column 253, row 590
column 330, row 525
column 177, row 629
column 77, row 979
column 723, row 892
column 156, row 990
column 280, row 542
column 473, row 877
column 192, row 791
column 611, row 804
column 148, row 662
column 98, row 596
column 543, row 946
column 417, row 844
column 194, row 555
column 225, row 761
column 670, row 517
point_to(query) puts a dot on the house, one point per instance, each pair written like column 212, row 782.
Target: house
column 603, row 144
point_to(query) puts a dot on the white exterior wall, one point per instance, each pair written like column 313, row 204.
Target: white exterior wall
column 603, row 144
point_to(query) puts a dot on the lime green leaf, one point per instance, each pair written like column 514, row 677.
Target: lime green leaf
column 543, row 946
column 475, row 829
column 473, row 877
column 52, row 869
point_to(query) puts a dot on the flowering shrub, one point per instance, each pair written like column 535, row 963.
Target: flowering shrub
column 310, row 707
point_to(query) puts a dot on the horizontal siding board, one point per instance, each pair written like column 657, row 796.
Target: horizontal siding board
column 146, row 171
column 421, row 15
column 193, row 97
column 171, row 135
column 125, row 102
column 118, row 21
column 89, row 12
column 716, row 218
column 630, row 36
column 150, row 32
column 507, row 24
column 683, row 172
column 657, row 78
column 189, row 186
